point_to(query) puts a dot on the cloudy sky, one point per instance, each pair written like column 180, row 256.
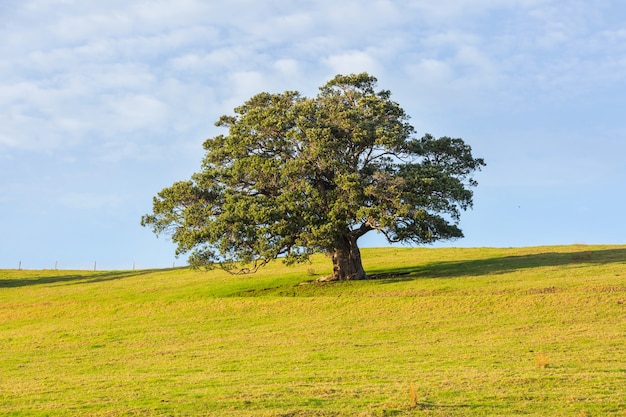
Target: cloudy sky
column 103, row 103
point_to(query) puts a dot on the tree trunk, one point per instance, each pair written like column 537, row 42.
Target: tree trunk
column 346, row 261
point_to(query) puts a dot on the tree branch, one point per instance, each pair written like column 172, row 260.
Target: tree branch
column 363, row 229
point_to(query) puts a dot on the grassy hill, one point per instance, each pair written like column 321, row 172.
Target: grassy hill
column 440, row 332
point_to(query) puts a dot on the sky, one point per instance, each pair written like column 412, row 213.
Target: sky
column 103, row 103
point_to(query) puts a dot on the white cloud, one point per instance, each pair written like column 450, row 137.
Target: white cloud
column 455, row 12
column 216, row 60
column 78, row 28
column 8, row 141
column 71, row 125
column 278, row 27
column 34, row 117
column 137, row 111
column 356, row 18
column 289, row 67
column 353, row 62
column 120, row 77
column 245, row 84
column 164, row 14
column 431, row 72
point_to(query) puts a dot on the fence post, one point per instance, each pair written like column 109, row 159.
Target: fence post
column 94, row 266
column 19, row 268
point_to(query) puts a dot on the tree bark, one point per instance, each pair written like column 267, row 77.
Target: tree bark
column 347, row 263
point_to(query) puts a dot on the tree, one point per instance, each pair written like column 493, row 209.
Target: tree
column 296, row 175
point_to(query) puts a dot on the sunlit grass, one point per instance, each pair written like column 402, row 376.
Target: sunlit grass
column 440, row 332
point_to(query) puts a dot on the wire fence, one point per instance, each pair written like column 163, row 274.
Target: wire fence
column 86, row 266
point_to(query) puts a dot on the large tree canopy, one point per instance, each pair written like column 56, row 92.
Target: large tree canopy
column 296, row 175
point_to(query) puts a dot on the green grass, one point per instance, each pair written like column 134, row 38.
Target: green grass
column 440, row 332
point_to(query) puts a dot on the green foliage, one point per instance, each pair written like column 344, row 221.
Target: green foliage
column 297, row 175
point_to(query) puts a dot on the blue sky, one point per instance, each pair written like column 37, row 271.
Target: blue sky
column 104, row 103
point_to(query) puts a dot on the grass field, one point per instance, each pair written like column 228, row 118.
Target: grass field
column 441, row 332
